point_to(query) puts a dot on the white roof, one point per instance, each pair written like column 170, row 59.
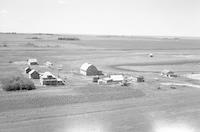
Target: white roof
column 46, row 74
column 117, row 77
column 27, row 68
column 32, row 71
column 48, row 62
column 32, row 60
column 107, row 78
column 59, row 79
column 85, row 66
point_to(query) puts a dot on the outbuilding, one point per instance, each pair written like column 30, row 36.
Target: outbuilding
column 32, row 62
column 151, row 55
column 49, row 64
column 33, row 74
column 140, row 79
column 117, row 78
column 27, row 70
column 168, row 73
column 88, row 69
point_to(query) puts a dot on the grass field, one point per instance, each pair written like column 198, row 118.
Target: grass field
column 82, row 106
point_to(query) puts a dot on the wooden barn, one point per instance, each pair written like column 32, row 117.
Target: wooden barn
column 33, row 74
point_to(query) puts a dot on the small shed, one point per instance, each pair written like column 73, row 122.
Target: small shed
column 140, row 79
column 27, row 70
column 168, row 73
column 32, row 62
column 33, row 74
column 88, row 69
column 48, row 64
column 60, row 81
column 95, row 79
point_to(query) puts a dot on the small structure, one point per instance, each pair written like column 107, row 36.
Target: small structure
column 33, row 74
column 48, row 78
column 139, row 79
column 32, row 62
column 49, row 64
column 151, row 55
column 95, row 79
column 117, row 78
column 88, row 70
column 168, row 73
column 124, row 83
column 60, row 81
column 27, row 70
column 105, row 80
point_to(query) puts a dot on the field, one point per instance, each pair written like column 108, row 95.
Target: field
column 83, row 106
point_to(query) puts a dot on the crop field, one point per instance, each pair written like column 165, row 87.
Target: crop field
column 83, row 106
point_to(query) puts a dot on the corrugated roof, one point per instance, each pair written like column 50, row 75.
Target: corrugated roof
column 85, row 66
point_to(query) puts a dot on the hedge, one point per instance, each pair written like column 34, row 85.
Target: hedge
column 17, row 83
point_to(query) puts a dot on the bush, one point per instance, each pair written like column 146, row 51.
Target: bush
column 4, row 45
column 10, row 61
column 29, row 44
column 17, row 83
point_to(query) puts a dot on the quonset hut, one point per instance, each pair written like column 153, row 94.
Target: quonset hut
column 88, row 69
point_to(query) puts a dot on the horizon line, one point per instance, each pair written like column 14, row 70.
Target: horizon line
column 105, row 35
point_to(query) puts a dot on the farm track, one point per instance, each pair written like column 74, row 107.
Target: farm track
column 173, row 62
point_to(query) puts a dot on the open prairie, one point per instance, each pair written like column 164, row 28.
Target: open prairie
column 83, row 106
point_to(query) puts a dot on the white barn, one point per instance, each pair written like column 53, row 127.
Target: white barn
column 88, row 69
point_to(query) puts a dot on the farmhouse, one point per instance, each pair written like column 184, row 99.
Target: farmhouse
column 168, row 73
column 48, row 78
column 27, row 69
column 34, row 74
column 88, row 70
column 32, row 62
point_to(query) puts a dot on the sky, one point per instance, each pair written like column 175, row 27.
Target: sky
column 102, row 17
